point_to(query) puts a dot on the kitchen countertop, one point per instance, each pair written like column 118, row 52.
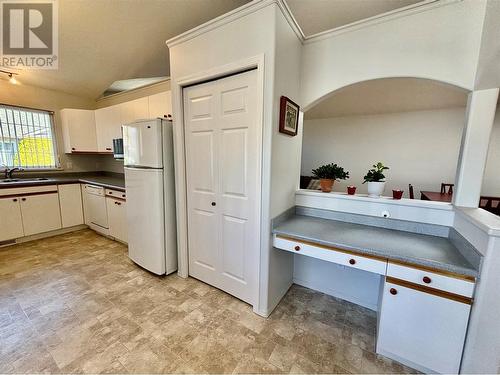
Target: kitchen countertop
column 418, row 249
column 107, row 180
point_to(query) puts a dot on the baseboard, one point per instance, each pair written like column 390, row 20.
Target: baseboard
column 49, row 234
column 405, row 362
column 335, row 293
column 270, row 308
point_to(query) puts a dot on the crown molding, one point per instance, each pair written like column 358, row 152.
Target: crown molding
column 226, row 18
column 409, row 10
column 256, row 5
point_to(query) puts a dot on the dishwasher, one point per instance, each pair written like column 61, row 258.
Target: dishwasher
column 96, row 203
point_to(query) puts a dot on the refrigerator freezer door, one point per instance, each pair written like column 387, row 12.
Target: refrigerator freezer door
column 142, row 144
column 145, row 218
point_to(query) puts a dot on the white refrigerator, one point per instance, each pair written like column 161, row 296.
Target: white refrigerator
column 149, row 183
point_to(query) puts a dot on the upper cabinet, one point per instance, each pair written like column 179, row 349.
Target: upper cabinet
column 137, row 109
column 108, row 124
column 79, row 131
column 160, row 104
column 94, row 131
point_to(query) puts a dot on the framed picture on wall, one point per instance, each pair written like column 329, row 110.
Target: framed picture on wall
column 289, row 116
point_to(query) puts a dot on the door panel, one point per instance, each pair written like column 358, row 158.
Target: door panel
column 145, row 218
column 222, row 162
column 11, row 222
column 142, row 143
column 40, row 213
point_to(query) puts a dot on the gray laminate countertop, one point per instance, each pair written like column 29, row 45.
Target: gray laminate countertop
column 107, row 180
column 419, row 249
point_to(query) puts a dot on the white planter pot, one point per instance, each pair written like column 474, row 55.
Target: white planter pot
column 375, row 189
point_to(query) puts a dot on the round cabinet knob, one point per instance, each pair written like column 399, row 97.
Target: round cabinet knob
column 15, row 199
column 297, row 248
column 213, row 203
column 426, row 279
column 23, row 199
column 352, row 261
column 110, row 193
column 393, row 291
column 73, row 148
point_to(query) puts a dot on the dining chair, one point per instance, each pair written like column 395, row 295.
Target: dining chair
column 410, row 189
column 449, row 186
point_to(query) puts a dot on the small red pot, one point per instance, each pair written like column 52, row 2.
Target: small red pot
column 397, row 194
column 351, row 190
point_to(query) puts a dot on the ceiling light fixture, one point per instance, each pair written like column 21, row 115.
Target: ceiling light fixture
column 11, row 75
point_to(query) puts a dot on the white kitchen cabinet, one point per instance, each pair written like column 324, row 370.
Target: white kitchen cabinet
column 421, row 329
column 40, row 213
column 70, row 200
column 108, row 122
column 134, row 110
column 117, row 218
column 160, row 104
column 11, row 222
column 79, row 131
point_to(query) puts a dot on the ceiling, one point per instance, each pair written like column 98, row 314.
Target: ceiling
column 315, row 16
column 103, row 41
column 389, row 95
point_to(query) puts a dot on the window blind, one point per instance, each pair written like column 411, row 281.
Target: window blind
column 27, row 138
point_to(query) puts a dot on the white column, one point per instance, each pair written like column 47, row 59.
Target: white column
column 481, row 107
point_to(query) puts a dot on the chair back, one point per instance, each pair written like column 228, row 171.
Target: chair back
column 449, row 186
column 410, row 189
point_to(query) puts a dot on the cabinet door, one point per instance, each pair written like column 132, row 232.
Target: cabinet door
column 86, row 213
column 134, row 110
column 117, row 218
column 108, row 122
column 40, row 213
column 11, row 224
column 79, row 131
column 160, row 104
column 70, row 199
column 422, row 330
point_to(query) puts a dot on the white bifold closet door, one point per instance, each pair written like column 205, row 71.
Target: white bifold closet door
column 223, row 185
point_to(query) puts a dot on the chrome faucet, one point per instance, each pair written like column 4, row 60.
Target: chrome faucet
column 9, row 171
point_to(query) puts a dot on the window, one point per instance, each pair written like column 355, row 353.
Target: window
column 27, row 138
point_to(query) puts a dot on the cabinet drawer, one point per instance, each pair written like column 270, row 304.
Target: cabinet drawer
column 457, row 285
column 116, row 194
column 331, row 255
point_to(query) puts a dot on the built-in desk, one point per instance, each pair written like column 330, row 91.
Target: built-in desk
column 427, row 284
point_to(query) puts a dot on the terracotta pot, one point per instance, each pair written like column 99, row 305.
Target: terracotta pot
column 326, row 185
column 397, row 194
column 351, row 190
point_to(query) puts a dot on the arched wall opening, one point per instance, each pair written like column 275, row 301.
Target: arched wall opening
column 412, row 125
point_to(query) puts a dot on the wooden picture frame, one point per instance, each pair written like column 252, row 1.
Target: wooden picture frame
column 289, row 116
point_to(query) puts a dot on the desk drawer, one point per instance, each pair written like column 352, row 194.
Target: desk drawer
column 453, row 284
column 331, row 255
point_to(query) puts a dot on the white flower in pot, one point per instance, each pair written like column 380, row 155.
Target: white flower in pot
column 327, row 175
column 375, row 178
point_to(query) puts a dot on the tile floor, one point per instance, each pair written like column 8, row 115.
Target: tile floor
column 76, row 304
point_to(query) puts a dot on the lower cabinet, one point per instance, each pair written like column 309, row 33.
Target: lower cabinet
column 40, row 213
column 70, row 199
column 117, row 218
column 422, row 328
column 11, row 221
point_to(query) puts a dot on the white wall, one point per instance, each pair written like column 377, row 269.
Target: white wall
column 440, row 43
column 491, row 181
column 420, row 147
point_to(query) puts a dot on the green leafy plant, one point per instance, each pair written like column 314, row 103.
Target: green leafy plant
column 376, row 174
column 330, row 172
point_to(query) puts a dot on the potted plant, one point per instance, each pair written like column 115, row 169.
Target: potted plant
column 327, row 175
column 375, row 178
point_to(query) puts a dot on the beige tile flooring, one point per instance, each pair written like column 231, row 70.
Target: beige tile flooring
column 76, row 304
